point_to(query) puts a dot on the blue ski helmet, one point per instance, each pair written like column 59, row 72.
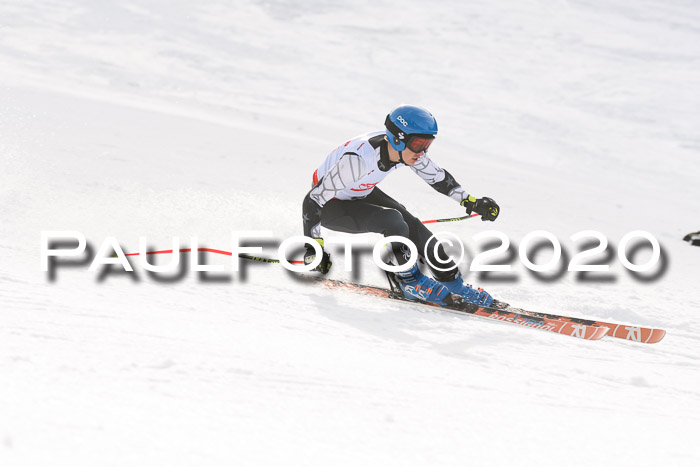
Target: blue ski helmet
column 408, row 120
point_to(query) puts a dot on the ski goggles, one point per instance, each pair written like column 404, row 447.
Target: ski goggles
column 419, row 143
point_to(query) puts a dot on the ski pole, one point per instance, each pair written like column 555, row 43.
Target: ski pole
column 452, row 219
column 221, row 252
column 266, row 260
column 272, row 260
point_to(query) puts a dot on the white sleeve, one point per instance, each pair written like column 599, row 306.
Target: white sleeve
column 428, row 170
column 439, row 179
column 348, row 170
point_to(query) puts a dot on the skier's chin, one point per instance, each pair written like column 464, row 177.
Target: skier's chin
column 412, row 159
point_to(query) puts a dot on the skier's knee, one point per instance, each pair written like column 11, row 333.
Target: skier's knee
column 393, row 223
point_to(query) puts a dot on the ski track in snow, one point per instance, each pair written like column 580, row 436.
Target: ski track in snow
column 169, row 119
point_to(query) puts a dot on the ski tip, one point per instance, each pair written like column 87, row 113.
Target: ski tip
column 637, row 334
column 655, row 336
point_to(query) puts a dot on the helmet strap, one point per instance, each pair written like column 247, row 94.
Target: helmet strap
column 401, row 158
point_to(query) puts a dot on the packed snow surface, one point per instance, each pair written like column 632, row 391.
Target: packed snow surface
column 197, row 119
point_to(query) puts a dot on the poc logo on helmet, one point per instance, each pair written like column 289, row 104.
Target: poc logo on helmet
column 402, row 120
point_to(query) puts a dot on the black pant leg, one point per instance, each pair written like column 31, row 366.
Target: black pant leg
column 362, row 216
column 380, row 213
column 419, row 234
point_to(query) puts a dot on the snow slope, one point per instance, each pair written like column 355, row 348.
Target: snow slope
column 165, row 119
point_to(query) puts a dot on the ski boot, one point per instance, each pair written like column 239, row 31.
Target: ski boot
column 417, row 286
column 477, row 296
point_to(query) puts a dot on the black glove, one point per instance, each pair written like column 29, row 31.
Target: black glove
column 486, row 207
column 310, row 257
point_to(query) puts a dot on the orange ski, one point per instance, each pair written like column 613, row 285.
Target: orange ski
column 555, row 325
column 621, row 331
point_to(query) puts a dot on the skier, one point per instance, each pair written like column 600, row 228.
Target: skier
column 345, row 198
column 693, row 238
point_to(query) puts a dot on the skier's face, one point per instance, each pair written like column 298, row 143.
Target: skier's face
column 416, row 147
column 410, row 157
